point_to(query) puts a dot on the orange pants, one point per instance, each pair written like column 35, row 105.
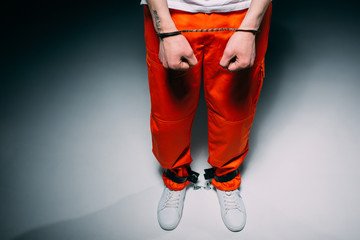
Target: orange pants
column 231, row 97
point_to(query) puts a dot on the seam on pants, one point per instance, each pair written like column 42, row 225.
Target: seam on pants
column 173, row 121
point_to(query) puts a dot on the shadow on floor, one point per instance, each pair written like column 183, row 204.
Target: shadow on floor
column 118, row 221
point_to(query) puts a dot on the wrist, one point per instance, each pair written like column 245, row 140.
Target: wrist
column 162, row 21
column 248, row 33
column 166, row 25
column 251, row 22
column 249, row 27
column 168, row 30
column 164, row 29
column 245, row 36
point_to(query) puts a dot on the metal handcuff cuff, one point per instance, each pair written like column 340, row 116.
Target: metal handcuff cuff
column 169, row 34
column 193, row 177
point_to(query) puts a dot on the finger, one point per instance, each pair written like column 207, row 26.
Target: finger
column 184, row 66
column 238, row 65
column 191, row 60
column 233, row 66
column 165, row 63
column 225, row 60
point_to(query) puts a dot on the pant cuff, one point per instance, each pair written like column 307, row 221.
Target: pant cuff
column 229, row 185
column 173, row 185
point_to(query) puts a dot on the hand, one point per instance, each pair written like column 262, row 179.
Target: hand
column 176, row 53
column 239, row 52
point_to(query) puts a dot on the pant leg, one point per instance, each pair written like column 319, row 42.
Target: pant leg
column 174, row 101
column 231, row 98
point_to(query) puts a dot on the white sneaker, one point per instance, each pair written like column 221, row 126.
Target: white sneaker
column 170, row 208
column 232, row 208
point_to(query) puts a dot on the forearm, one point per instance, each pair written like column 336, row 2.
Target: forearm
column 255, row 14
column 161, row 16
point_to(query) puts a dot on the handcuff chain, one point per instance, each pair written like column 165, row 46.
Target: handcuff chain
column 211, row 30
column 169, row 34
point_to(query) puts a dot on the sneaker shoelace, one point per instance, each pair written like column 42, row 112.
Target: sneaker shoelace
column 172, row 199
column 231, row 200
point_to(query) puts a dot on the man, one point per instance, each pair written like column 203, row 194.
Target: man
column 231, row 64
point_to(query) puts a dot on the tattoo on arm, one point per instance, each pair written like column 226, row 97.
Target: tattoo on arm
column 157, row 21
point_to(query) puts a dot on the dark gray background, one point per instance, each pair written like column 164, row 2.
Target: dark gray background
column 75, row 144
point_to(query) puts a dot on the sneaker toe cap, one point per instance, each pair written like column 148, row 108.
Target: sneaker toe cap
column 235, row 220
column 169, row 218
